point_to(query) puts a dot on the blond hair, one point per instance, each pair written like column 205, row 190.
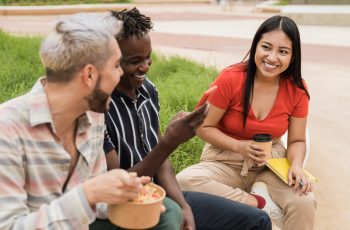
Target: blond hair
column 76, row 41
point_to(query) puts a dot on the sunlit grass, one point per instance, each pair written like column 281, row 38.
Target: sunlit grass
column 283, row 2
column 180, row 83
column 20, row 65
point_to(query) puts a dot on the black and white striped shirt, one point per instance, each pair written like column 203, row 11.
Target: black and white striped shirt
column 132, row 125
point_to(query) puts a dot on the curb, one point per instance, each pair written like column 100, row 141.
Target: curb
column 61, row 9
column 331, row 15
column 71, row 9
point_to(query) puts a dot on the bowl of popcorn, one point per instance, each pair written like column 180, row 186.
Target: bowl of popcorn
column 141, row 213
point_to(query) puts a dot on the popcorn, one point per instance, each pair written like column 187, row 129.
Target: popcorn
column 149, row 193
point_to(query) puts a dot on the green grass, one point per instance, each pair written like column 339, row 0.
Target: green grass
column 180, row 83
column 20, row 65
column 283, row 2
column 57, row 2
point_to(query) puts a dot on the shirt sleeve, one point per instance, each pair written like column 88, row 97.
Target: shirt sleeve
column 223, row 96
column 100, row 166
column 70, row 211
column 301, row 106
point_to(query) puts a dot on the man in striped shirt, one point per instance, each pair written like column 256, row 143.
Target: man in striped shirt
column 133, row 141
column 52, row 162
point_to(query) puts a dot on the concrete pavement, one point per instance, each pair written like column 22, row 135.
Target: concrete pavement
column 209, row 35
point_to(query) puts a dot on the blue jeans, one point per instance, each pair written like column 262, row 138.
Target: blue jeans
column 218, row 213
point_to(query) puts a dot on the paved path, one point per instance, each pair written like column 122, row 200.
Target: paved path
column 218, row 38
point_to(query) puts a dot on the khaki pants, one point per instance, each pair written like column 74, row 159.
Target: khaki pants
column 218, row 173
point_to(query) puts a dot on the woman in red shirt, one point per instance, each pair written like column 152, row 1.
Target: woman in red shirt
column 265, row 94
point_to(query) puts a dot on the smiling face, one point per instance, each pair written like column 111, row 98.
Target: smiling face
column 136, row 61
column 273, row 54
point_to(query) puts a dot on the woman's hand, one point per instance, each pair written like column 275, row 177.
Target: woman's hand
column 302, row 184
column 251, row 151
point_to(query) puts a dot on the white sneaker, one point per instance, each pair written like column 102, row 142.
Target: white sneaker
column 274, row 211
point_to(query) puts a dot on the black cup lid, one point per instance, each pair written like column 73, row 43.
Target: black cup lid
column 262, row 137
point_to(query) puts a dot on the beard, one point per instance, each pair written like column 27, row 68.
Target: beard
column 98, row 99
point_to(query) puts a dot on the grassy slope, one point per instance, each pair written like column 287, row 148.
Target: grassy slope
column 20, row 65
column 180, row 84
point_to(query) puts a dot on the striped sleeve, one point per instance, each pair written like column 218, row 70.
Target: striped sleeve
column 70, row 211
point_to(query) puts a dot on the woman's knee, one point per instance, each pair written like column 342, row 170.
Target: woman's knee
column 302, row 205
column 300, row 212
column 190, row 178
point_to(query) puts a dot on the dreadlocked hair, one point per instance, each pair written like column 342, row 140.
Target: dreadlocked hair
column 134, row 23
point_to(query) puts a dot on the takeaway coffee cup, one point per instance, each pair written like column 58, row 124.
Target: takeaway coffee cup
column 264, row 141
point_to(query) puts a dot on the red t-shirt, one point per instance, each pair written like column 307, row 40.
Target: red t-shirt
column 290, row 101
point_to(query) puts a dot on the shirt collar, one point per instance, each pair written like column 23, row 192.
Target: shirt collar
column 39, row 109
column 142, row 94
column 84, row 122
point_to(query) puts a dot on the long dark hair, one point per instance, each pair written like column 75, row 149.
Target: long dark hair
column 289, row 27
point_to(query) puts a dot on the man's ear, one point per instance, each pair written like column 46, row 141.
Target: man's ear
column 89, row 75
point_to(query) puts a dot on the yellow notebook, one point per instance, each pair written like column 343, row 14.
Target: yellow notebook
column 280, row 167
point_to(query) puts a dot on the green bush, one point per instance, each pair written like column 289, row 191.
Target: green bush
column 180, row 84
